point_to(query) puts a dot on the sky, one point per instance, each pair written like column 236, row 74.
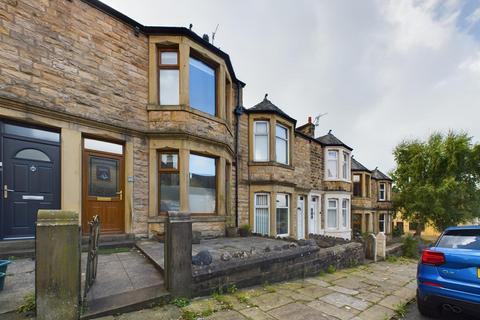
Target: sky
column 382, row 70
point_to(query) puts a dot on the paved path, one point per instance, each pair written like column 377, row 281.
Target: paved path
column 368, row 292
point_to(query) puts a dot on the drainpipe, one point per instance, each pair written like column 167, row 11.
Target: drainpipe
column 238, row 113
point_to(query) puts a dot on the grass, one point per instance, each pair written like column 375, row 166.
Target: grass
column 28, row 303
column 331, row 269
column 243, row 297
column 321, row 273
column 401, row 310
column 269, row 288
column 232, row 288
column 113, row 250
column 223, row 300
column 180, row 302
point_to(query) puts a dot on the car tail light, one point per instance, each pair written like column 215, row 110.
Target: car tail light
column 433, row 257
column 433, row 284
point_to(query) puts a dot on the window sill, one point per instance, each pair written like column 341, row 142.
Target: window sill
column 271, row 163
column 337, row 180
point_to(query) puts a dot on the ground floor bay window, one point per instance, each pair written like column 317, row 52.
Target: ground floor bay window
column 338, row 215
column 282, row 214
column 202, row 184
column 261, row 216
column 169, row 182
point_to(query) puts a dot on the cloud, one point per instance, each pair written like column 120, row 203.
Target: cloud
column 384, row 70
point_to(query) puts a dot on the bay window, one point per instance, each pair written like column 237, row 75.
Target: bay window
column 282, row 217
column 357, row 185
column 169, row 182
column 332, row 164
column 381, row 222
column 261, row 224
column 202, row 83
column 281, row 143
column 168, row 77
column 367, row 186
column 202, row 184
column 332, row 213
column 260, row 141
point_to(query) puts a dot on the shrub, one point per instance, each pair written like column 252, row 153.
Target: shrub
column 397, row 232
column 28, row 303
column 180, row 302
column 331, row 269
column 410, row 247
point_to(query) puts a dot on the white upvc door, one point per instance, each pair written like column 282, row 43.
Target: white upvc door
column 301, row 217
column 261, row 214
column 313, row 215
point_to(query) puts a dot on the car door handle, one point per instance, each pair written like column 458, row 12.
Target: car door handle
column 6, row 191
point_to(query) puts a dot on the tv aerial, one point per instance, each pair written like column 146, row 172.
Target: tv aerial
column 316, row 122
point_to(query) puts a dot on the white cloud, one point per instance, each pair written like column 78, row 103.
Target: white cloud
column 384, row 70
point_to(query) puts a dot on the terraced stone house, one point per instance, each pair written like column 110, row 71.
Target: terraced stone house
column 102, row 115
column 372, row 209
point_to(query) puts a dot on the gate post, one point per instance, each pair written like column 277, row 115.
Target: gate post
column 57, row 265
column 178, row 254
column 382, row 245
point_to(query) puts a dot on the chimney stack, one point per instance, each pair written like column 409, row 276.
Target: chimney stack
column 308, row 128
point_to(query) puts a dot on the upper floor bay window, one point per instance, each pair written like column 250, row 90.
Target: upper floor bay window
column 168, row 77
column 202, row 188
column 367, row 186
column 332, row 164
column 281, row 142
column 346, row 166
column 169, row 182
column 382, row 191
column 260, row 141
column 357, row 185
column 202, row 86
column 332, row 213
column 282, row 219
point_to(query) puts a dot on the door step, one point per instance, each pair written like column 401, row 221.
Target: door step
column 26, row 248
column 127, row 302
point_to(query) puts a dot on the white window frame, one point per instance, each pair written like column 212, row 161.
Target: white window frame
column 381, row 222
column 328, row 160
column 380, row 198
column 287, row 140
column 346, row 166
column 254, row 140
column 327, row 226
column 256, row 206
column 345, row 210
column 288, row 214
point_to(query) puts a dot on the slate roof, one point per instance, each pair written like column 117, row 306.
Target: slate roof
column 330, row 140
column 379, row 175
column 266, row 106
column 357, row 166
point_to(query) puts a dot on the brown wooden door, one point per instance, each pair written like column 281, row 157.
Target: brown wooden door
column 103, row 185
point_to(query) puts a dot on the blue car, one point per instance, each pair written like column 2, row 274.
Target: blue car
column 448, row 274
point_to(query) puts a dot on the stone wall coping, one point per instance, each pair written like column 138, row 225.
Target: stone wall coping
column 178, row 216
column 57, row 217
column 213, row 218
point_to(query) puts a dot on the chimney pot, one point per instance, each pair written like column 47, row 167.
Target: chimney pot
column 309, row 119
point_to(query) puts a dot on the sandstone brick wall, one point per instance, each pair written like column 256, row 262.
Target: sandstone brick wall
column 243, row 186
column 301, row 163
column 316, row 165
column 140, row 186
column 70, row 57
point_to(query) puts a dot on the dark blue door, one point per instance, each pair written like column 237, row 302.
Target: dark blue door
column 31, row 181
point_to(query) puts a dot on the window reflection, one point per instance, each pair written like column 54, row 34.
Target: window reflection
column 202, row 190
column 202, row 86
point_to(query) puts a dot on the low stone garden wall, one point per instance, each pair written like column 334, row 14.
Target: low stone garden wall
column 280, row 263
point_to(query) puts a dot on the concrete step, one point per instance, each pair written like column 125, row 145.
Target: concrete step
column 26, row 248
column 126, row 302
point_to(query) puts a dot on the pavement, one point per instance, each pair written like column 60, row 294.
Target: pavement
column 368, row 292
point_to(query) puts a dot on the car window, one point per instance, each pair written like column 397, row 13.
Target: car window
column 460, row 239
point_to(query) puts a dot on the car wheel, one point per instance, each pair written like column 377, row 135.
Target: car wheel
column 427, row 310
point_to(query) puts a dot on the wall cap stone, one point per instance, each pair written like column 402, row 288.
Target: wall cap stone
column 57, row 218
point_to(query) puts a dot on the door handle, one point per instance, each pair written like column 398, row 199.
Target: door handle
column 120, row 194
column 6, row 191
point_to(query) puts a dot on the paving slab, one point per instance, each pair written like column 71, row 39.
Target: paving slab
column 340, row 300
column 226, row 315
column 256, row 313
column 271, row 300
column 314, row 292
column 376, row 312
column 327, row 309
column 297, row 311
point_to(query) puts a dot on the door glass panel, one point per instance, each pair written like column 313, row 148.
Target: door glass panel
column 32, row 154
column 103, row 177
column 32, row 133
column 103, row 146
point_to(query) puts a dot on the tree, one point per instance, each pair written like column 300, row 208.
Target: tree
column 438, row 180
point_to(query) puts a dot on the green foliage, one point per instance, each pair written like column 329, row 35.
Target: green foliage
column 401, row 310
column 331, row 269
column 410, row 247
column 28, row 303
column 232, row 288
column 438, row 180
column 224, row 301
column 113, row 250
column 246, row 228
column 180, row 302
column 391, row 259
column 321, row 273
column 243, row 297
column 397, row 232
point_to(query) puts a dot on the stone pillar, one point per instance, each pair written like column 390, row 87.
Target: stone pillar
column 178, row 254
column 57, row 265
column 371, row 247
column 381, row 245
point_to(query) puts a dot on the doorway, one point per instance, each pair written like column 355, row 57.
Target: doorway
column 30, row 171
column 313, row 216
column 103, row 178
column 301, row 217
